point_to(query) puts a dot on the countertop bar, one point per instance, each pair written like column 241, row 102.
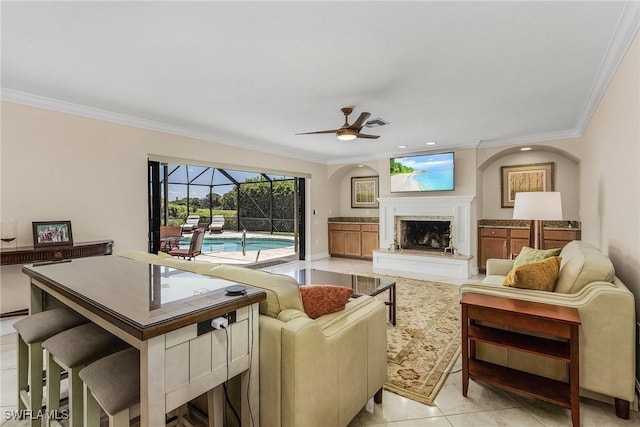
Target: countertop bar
column 145, row 300
column 355, row 219
column 523, row 224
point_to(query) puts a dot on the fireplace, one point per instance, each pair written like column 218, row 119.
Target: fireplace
column 425, row 236
column 424, row 233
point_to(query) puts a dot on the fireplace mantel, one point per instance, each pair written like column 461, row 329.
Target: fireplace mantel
column 456, row 207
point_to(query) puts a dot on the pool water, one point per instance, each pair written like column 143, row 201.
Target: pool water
column 235, row 244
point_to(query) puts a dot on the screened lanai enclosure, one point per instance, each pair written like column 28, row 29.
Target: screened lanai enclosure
column 231, row 206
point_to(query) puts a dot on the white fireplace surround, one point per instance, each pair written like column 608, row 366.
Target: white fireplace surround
column 456, row 207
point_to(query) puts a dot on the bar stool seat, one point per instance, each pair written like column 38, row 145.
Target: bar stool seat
column 112, row 382
column 72, row 350
column 32, row 330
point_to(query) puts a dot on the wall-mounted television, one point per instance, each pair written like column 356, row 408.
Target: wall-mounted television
column 422, row 172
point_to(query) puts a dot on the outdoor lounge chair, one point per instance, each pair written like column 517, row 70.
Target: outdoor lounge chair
column 195, row 248
column 217, row 223
column 191, row 223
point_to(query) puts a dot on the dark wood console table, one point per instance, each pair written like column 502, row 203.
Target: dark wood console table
column 29, row 254
column 557, row 321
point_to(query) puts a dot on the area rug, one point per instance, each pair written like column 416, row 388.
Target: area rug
column 425, row 343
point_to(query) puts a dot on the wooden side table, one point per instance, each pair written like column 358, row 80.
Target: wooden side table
column 553, row 320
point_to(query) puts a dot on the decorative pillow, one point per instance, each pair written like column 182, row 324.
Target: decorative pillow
column 319, row 300
column 528, row 255
column 540, row 275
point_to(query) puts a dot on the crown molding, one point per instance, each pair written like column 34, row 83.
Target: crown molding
column 627, row 28
column 123, row 119
column 541, row 137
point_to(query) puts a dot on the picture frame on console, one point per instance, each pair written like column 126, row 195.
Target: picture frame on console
column 52, row 233
column 364, row 192
column 525, row 178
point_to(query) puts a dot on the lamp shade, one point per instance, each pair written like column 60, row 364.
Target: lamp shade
column 539, row 205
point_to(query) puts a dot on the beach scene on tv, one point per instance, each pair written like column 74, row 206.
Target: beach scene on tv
column 429, row 172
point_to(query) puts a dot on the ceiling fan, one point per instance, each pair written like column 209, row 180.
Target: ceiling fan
column 348, row 131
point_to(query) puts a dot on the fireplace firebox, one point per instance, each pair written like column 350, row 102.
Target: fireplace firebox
column 424, row 234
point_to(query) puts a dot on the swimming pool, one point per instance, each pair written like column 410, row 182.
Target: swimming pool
column 234, row 244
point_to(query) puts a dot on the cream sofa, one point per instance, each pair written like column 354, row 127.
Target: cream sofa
column 316, row 372
column 587, row 282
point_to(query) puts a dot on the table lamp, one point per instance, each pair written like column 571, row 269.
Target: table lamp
column 538, row 206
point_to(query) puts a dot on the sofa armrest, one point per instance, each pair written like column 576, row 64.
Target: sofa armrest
column 499, row 267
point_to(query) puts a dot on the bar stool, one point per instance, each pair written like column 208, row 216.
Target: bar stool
column 32, row 330
column 113, row 384
column 72, row 350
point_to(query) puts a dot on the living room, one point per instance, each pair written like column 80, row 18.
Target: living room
column 88, row 165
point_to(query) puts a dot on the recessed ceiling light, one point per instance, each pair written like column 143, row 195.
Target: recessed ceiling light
column 360, row 166
column 525, row 149
column 431, row 143
column 402, row 146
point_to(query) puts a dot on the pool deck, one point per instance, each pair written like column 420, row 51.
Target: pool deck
column 251, row 256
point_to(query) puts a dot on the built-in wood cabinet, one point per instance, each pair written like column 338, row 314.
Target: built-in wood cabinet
column 353, row 240
column 506, row 242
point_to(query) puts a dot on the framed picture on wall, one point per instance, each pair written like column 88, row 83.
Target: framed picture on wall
column 521, row 178
column 52, row 233
column 364, row 192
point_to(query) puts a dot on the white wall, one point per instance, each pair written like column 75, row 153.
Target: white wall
column 566, row 172
column 610, row 173
column 57, row 166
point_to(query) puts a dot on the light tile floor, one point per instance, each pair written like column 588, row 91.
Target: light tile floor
column 485, row 406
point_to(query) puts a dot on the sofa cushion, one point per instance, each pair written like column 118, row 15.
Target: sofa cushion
column 582, row 263
column 282, row 291
column 319, row 300
column 540, row 275
column 528, row 255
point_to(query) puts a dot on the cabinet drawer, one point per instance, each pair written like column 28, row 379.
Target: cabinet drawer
column 561, row 235
column 519, row 234
column 493, row 232
column 370, row 227
column 344, row 227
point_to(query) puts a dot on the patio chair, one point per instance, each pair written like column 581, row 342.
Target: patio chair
column 170, row 237
column 217, row 223
column 195, row 248
column 191, row 223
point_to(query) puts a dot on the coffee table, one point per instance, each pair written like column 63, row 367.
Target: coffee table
column 361, row 285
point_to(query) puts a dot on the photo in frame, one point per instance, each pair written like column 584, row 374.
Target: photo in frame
column 52, row 233
column 364, row 192
column 524, row 178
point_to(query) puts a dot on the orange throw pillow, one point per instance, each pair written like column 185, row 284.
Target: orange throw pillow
column 319, row 300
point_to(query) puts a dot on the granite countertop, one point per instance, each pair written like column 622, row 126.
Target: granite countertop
column 355, row 219
column 524, row 224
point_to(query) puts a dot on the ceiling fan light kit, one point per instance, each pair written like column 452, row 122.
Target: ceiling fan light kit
column 348, row 132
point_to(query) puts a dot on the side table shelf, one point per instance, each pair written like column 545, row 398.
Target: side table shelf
column 556, row 321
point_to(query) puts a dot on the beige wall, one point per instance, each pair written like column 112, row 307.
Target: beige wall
column 57, row 166
column 610, row 173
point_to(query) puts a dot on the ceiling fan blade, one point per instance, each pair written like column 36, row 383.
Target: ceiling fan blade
column 320, row 131
column 357, row 125
column 363, row 135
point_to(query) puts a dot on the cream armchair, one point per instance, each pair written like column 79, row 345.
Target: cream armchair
column 587, row 282
column 316, row 372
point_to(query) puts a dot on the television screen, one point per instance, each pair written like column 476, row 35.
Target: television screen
column 424, row 172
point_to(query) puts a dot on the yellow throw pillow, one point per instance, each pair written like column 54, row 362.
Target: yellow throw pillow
column 540, row 275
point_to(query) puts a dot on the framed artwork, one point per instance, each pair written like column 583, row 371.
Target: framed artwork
column 364, row 192
column 529, row 177
column 52, row 233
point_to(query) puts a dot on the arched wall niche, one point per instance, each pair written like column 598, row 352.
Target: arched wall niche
column 339, row 178
column 566, row 176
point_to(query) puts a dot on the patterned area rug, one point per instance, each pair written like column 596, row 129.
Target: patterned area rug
column 425, row 343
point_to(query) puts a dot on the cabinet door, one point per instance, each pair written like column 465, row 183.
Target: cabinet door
column 352, row 246
column 369, row 243
column 336, row 242
column 516, row 245
column 491, row 247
